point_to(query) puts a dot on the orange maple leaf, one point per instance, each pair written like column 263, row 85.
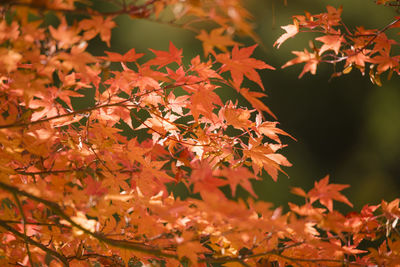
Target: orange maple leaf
column 237, row 117
column 94, row 188
column 92, row 28
column 385, row 61
column 215, row 39
column 310, row 59
column 263, row 156
column 203, row 101
column 326, row 193
column 65, row 35
column 331, row 42
column 253, row 98
column 269, row 129
column 164, row 58
column 129, row 56
column 240, row 64
column 238, row 176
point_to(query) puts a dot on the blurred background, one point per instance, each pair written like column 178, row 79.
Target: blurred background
column 345, row 127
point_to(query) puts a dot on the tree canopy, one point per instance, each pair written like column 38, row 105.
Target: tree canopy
column 93, row 184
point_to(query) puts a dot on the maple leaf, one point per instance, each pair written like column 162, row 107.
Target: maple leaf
column 240, row 64
column 65, row 95
column 291, row 31
column 385, row 61
column 205, row 182
column 203, row 101
column 334, row 15
column 164, row 58
column 307, row 209
column 357, row 58
column 269, row 129
column 298, row 191
column 190, row 249
column 65, row 35
column 93, row 187
column 325, row 193
column 55, row 181
column 263, row 156
column 237, row 117
column 391, row 209
column 129, row 56
column 311, row 60
column 129, row 79
column 9, row 59
column 160, row 125
column 331, row 42
column 77, row 59
column 91, row 26
column 238, row 176
column 8, row 32
column 215, row 39
column 204, row 70
column 382, row 42
column 253, row 98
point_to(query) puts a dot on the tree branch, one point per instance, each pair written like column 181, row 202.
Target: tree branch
column 28, row 251
column 25, row 124
column 29, row 240
column 140, row 11
column 37, row 223
column 140, row 247
column 86, row 110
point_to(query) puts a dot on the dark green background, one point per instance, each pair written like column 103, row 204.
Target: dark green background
column 348, row 127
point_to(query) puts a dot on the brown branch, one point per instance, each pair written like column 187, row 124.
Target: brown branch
column 113, row 259
column 277, row 252
column 37, row 223
column 29, row 240
column 132, row 10
column 86, row 110
column 140, row 247
column 47, row 172
column 361, row 49
column 377, row 34
column 100, row 160
column 343, row 262
column 77, row 112
column 122, row 170
column 28, row 251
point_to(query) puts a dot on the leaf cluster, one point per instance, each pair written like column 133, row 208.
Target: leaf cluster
column 76, row 191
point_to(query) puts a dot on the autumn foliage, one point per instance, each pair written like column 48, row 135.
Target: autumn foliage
column 76, row 190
